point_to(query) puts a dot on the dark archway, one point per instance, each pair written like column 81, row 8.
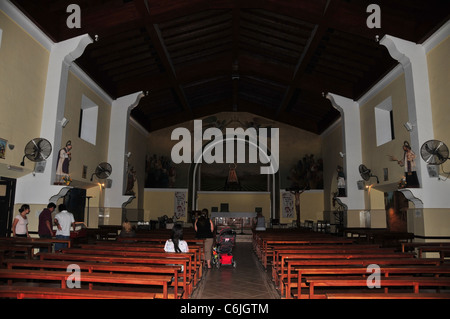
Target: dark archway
column 273, row 179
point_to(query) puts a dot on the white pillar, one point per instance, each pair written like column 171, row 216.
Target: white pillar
column 351, row 126
column 39, row 188
column 118, row 133
column 433, row 192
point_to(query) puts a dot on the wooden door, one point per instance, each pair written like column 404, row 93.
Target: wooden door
column 7, row 194
column 396, row 211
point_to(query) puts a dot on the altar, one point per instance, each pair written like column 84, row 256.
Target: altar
column 241, row 222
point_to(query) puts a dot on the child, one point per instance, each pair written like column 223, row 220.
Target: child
column 176, row 244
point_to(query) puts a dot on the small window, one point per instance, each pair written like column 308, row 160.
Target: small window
column 88, row 120
column 384, row 122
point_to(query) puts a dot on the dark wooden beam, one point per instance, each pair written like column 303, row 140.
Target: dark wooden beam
column 316, row 37
column 306, row 10
column 235, row 67
column 100, row 20
column 160, row 47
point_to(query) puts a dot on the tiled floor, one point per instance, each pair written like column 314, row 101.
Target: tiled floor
column 247, row 281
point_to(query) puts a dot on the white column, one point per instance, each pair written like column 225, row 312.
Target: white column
column 38, row 188
column 351, row 126
column 118, row 134
column 433, row 192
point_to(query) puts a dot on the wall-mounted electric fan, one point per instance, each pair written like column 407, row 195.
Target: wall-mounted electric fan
column 102, row 171
column 366, row 173
column 434, row 152
column 37, row 150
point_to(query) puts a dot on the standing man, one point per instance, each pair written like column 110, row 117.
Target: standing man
column 45, row 229
column 64, row 221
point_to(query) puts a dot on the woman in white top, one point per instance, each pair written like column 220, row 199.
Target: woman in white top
column 20, row 223
column 176, row 244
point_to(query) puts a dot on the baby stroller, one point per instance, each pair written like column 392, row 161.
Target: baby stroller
column 223, row 251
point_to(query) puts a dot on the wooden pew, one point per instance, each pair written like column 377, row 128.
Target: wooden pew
column 155, row 247
column 329, row 256
column 443, row 251
column 391, row 295
column 326, row 249
column 62, row 277
column 294, row 266
column 165, row 260
column 413, row 245
column 94, row 267
column 275, row 250
column 160, row 240
column 381, row 236
column 10, row 250
column 21, row 292
column 279, row 271
column 266, row 245
column 351, row 282
column 192, row 271
column 142, row 250
column 35, row 241
column 261, row 239
column 288, row 272
column 357, row 269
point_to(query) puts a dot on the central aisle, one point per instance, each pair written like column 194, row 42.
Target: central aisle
column 247, row 281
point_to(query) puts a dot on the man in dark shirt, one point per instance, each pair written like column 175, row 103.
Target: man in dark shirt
column 45, row 229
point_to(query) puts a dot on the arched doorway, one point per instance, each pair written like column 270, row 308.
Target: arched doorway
column 396, row 211
column 273, row 183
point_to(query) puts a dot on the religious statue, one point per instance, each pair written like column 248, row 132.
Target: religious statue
column 408, row 162
column 341, row 182
column 232, row 179
column 232, row 176
column 131, row 179
column 62, row 164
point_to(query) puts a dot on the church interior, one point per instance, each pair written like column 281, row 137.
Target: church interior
column 311, row 130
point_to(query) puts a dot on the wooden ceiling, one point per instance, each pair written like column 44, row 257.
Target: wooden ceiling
column 272, row 58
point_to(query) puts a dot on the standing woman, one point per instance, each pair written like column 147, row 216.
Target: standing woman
column 20, row 223
column 205, row 230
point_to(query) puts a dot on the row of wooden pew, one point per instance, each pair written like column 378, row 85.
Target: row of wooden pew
column 309, row 265
column 26, row 247
column 105, row 270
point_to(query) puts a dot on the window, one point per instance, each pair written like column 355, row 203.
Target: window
column 88, row 120
column 384, row 122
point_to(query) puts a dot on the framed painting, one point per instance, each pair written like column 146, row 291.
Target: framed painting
column 3, row 144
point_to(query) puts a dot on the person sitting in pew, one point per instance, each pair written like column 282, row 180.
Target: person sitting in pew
column 127, row 231
column 176, row 244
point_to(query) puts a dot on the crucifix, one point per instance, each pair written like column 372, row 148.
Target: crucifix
column 297, row 191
